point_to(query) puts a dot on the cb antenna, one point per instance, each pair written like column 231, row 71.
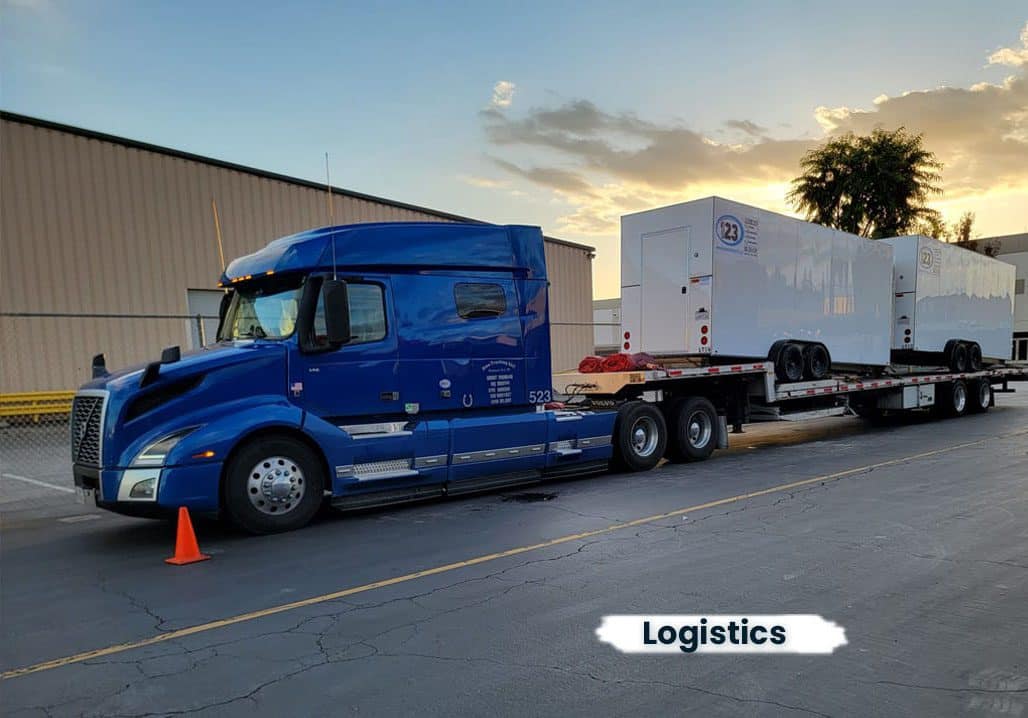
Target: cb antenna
column 217, row 233
column 331, row 217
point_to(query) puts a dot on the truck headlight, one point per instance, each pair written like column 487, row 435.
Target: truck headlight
column 155, row 454
column 139, row 485
column 144, row 489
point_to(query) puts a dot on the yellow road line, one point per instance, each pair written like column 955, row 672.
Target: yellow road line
column 324, row 598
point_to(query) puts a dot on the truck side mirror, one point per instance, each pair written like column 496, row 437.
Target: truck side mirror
column 336, row 301
column 226, row 300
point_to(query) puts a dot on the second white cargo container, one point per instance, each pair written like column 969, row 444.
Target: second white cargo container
column 950, row 302
column 725, row 280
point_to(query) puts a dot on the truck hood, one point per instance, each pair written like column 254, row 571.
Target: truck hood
column 192, row 362
column 188, row 392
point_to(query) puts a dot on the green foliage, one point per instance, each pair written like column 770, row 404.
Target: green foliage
column 963, row 227
column 875, row 185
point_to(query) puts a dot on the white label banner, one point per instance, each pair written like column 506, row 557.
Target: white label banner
column 705, row 633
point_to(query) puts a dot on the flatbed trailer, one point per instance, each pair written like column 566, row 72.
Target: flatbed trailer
column 750, row 391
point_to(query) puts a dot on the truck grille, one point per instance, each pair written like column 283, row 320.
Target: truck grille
column 86, row 429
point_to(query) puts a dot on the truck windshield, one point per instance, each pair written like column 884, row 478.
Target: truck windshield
column 262, row 311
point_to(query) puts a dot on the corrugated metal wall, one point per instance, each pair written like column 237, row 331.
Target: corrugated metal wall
column 97, row 227
column 570, row 271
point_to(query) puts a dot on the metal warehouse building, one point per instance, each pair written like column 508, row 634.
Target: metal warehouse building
column 108, row 245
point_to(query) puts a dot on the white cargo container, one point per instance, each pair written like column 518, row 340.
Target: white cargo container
column 945, row 293
column 722, row 279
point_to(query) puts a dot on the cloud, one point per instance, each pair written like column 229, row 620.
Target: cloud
column 485, row 182
column 606, row 163
column 750, row 128
column 1015, row 57
column 503, row 94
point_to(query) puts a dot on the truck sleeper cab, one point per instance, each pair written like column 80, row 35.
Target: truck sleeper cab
column 369, row 363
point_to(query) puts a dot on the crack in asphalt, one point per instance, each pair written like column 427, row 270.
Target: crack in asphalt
column 947, row 689
column 606, row 681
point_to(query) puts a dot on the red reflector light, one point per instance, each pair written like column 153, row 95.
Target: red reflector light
column 703, row 341
column 704, row 329
column 628, row 335
column 627, row 345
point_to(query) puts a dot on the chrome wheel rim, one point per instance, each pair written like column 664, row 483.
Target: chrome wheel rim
column 275, row 485
column 984, row 394
column 699, row 429
column 644, row 436
column 959, row 398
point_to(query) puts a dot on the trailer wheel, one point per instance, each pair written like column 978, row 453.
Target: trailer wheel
column 816, row 361
column 692, row 430
column 953, row 400
column 640, row 437
column 273, row 484
column 974, row 357
column 981, row 396
column 958, row 357
column 788, row 361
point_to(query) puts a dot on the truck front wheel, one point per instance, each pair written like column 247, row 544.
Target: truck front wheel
column 640, row 437
column 692, row 430
column 273, row 484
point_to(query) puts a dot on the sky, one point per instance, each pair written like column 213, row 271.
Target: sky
column 559, row 114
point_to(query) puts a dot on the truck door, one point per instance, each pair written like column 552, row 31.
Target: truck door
column 665, row 286
column 361, row 378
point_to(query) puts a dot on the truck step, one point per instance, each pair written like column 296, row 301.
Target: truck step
column 486, row 483
column 385, row 498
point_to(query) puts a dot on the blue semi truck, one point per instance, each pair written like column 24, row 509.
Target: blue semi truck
column 368, row 364
column 379, row 363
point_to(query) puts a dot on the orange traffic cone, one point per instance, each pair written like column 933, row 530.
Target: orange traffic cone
column 186, row 548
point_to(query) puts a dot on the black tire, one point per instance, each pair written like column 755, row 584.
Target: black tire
column 979, row 396
column 974, row 357
column 789, row 362
column 952, row 399
column 958, row 357
column 692, row 430
column 640, row 437
column 252, row 472
column 816, row 361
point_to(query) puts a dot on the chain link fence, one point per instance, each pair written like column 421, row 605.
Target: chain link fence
column 46, row 357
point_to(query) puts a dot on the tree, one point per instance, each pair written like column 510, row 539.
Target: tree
column 963, row 227
column 931, row 226
column 875, row 185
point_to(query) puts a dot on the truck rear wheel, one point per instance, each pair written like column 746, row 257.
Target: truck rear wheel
column 692, row 430
column 951, row 399
column 788, row 360
column 640, row 437
column 273, row 484
column 958, row 357
column 980, row 396
column 816, row 361
column 974, row 357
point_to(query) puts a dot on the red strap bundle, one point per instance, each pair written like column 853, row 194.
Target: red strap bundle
column 617, row 362
column 591, row 365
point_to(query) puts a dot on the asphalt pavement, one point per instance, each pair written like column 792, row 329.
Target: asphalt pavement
column 912, row 537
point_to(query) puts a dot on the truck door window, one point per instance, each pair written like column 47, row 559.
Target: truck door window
column 479, row 300
column 367, row 314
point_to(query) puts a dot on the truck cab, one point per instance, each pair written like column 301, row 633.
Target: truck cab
column 368, row 364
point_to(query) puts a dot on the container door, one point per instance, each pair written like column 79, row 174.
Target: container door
column 665, row 287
